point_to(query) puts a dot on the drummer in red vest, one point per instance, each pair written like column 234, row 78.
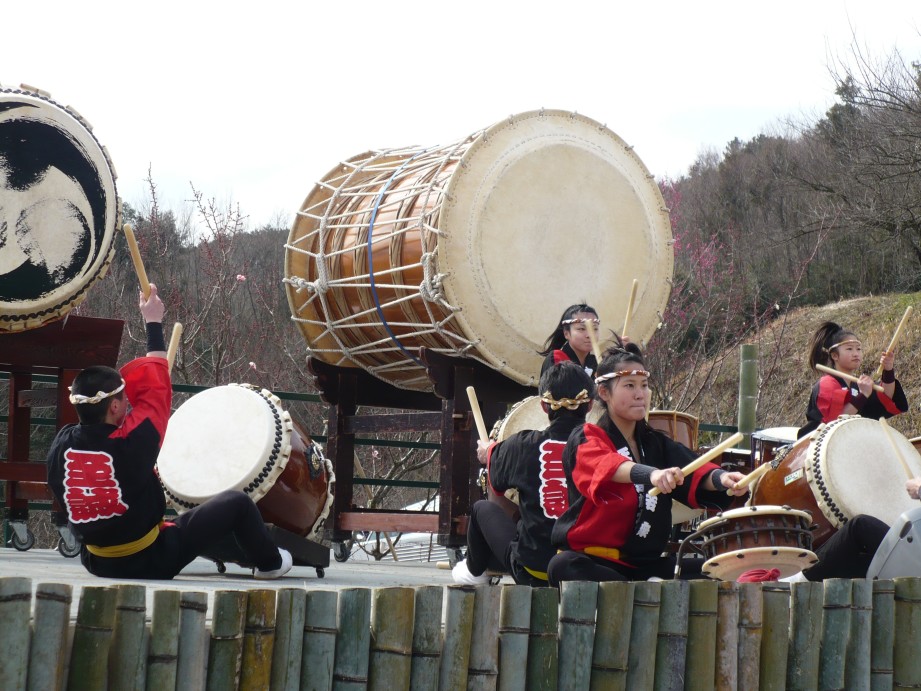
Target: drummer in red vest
column 103, row 471
column 570, row 339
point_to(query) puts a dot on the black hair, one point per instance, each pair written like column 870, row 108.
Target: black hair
column 565, row 380
column 612, row 360
column 556, row 340
column 91, row 381
column 826, row 336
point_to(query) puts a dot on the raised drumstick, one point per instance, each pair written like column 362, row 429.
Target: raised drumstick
column 846, row 377
column 895, row 338
column 706, row 458
column 173, row 345
column 629, row 308
column 593, row 337
column 477, row 415
column 136, row 258
column 895, row 447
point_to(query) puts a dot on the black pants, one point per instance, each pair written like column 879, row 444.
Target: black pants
column 490, row 536
column 190, row 535
column 570, row 565
column 848, row 552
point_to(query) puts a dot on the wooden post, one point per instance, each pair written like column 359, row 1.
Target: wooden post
column 483, row 666
column 906, row 667
column 672, row 638
column 320, row 628
column 193, row 642
column 514, row 625
column 700, row 665
column 163, row 658
column 392, row 617
column 225, row 655
column 52, row 617
column 350, row 669
column 643, row 633
column 455, row 655
column 775, row 633
column 612, row 636
column 543, row 656
column 258, row 640
column 805, row 631
column 128, row 655
column 751, row 614
column 92, row 637
column 883, row 635
column 289, row 639
column 15, row 613
column 578, row 606
column 857, row 671
column 728, row 629
column 836, row 625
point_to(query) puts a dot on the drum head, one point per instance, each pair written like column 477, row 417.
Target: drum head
column 58, row 209
column 524, row 415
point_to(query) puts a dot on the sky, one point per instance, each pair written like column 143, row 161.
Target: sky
column 252, row 103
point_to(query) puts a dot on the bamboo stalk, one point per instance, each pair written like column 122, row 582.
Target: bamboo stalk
column 712, row 454
column 52, row 617
column 836, row 624
column 700, row 667
column 483, row 666
column 543, row 656
column 258, row 640
column 163, row 658
column 427, row 638
column 906, row 662
column 727, row 636
column 805, row 630
column 193, row 641
column 225, row 655
column 92, row 637
column 15, row 613
column 672, row 638
column 895, row 339
column 751, row 620
column 883, row 635
column 644, row 629
column 289, row 639
column 857, row 671
column 578, row 605
column 320, row 628
column 455, row 655
column 128, row 655
column 775, row 632
column 612, row 636
column 514, row 626
column 350, row 669
column 392, row 616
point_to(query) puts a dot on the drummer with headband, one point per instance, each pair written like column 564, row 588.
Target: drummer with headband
column 103, row 471
column 570, row 339
column 531, row 462
column 613, row 529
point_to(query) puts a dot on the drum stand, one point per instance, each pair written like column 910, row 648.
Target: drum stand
column 60, row 349
column 445, row 410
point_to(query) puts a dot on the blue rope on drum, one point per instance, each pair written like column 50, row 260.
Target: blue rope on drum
column 377, row 303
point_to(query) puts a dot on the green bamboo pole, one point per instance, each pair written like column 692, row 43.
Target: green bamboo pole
column 836, row 625
column 611, row 649
column 906, row 668
column 748, row 392
column 92, row 636
column 672, row 638
column 751, row 616
column 289, row 639
column 163, row 658
column 578, row 605
column 727, row 636
column 805, row 630
column 193, row 641
column 426, row 638
column 514, row 626
column 775, row 635
column 700, row 666
column 857, row 670
column 50, row 630
column 225, row 655
column 883, row 635
column 258, row 640
column 350, row 669
column 644, row 631
column 392, row 616
column 483, row 665
column 543, row 656
column 128, row 654
column 15, row 613
column 320, row 628
column 455, row 656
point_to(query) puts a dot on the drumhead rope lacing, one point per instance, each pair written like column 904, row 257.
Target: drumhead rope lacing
column 814, row 465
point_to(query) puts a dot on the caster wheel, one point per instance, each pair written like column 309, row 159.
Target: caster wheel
column 341, row 551
column 71, row 552
column 321, row 572
column 221, row 567
column 23, row 545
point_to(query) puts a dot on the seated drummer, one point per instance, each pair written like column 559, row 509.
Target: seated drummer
column 613, row 529
column 570, row 340
column 531, row 462
column 103, row 471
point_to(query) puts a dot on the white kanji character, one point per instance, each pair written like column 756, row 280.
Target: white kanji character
column 644, row 528
column 651, row 503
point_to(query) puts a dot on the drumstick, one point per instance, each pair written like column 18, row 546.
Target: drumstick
column 173, row 345
column 845, row 377
column 136, row 258
column 895, row 338
column 477, row 415
column 593, row 337
column 629, row 308
column 706, row 458
column 895, row 447
column 751, row 477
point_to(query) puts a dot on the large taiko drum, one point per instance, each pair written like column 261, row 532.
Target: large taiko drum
column 239, row 437
column 58, row 209
column 473, row 249
column 681, row 427
column 848, row 467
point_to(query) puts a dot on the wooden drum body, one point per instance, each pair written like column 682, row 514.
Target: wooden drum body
column 766, row 442
column 239, row 437
column 462, row 248
column 678, row 426
column 58, row 209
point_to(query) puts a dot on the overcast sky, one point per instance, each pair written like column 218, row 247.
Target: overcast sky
column 253, row 103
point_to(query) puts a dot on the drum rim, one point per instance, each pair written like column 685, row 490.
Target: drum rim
column 770, row 509
column 799, row 559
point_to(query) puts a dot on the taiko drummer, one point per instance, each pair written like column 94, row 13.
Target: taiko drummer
column 570, row 339
column 102, row 471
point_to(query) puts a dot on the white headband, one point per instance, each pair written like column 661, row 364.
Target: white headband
column 622, row 373
column 79, row 399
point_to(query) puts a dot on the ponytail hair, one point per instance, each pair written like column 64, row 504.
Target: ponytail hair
column 824, row 340
column 556, row 339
